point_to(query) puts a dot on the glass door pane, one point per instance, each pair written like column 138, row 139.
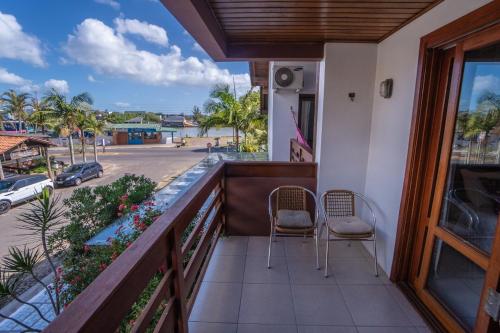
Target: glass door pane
column 456, row 282
column 471, row 200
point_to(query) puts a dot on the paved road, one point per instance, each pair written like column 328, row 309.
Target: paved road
column 161, row 164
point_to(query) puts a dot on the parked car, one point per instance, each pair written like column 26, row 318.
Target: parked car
column 78, row 173
column 17, row 189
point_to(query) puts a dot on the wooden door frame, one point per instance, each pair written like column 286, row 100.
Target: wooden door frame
column 422, row 118
column 420, row 147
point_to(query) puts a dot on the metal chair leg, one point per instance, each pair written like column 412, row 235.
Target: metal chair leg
column 375, row 254
column 269, row 251
column 327, row 251
column 316, row 236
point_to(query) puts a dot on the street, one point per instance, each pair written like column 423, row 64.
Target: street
column 161, row 164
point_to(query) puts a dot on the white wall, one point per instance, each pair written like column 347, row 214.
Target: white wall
column 280, row 121
column 343, row 127
column 397, row 58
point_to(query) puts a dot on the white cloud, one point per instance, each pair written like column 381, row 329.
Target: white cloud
column 484, row 83
column 197, row 47
column 122, row 104
column 105, row 50
column 11, row 78
column 112, row 3
column 61, row 86
column 91, row 78
column 16, row 44
column 150, row 32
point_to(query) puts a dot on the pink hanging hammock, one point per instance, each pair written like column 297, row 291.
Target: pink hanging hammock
column 300, row 136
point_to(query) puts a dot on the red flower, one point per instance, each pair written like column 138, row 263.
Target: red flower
column 136, row 218
column 114, row 256
column 102, row 266
column 129, row 244
column 86, row 248
column 142, row 226
column 122, row 207
column 134, row 208
column 124, row 197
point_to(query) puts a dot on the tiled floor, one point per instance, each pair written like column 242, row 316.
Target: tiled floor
column 240, row 294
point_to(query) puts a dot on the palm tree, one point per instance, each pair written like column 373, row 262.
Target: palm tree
column 42, row 116
column 97, row 127
column 82, row 123
column 222, row 109
column 15, row 104
column 68, row 113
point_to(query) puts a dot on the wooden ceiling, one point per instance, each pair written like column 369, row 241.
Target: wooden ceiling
column 313, row 20
column 288, row 29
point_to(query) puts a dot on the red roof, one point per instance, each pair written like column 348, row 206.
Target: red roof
column 9, row 142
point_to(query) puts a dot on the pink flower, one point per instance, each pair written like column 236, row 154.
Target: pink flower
column 121, row 207
column 102, row 266
column 134, row 208
column 136, row 218
column 124, row 197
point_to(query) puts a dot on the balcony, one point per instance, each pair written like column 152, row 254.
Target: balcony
column 215, row 279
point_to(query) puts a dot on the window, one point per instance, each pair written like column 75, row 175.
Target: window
column 150, row 135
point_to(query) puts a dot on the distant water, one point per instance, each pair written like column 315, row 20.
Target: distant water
column 195, row 131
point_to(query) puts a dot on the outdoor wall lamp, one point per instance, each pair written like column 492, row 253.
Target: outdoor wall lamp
column 351, row 96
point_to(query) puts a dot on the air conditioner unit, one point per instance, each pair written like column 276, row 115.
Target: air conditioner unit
column 288, row 78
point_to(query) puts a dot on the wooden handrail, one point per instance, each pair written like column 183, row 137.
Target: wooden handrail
column 231, row 197
column 102, row 306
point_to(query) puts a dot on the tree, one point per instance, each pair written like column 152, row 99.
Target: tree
column 82, row 122
column 97, row 127
column 222, row 109
column 15, row 104
column 42, row 116
column 197, row 114
column 44, row 218
column 68, row 114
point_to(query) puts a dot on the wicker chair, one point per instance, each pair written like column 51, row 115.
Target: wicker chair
column 340, row 219
column 289, row 215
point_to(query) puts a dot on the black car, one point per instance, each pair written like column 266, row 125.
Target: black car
column 78, row 173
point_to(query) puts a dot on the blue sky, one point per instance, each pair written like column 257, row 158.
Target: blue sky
column 128, row 54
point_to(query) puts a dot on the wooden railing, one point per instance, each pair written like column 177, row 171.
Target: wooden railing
column 231, row 196
column 299, row 152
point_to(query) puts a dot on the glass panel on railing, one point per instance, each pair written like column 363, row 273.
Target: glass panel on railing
column 471, row 200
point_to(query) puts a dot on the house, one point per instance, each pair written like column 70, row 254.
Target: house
column 374, row 88
column 139, row 133
column 173, row 120
column 135, row 120
column 20, row 152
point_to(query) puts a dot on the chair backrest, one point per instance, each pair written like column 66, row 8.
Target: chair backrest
column 339, row 203
column 291, row 197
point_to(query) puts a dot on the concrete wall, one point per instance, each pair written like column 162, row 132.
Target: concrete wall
column 280, row 121
column 397, row 58
column 343, row 127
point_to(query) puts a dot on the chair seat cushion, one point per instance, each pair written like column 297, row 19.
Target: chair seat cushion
column 287, row 218
column 349, row 226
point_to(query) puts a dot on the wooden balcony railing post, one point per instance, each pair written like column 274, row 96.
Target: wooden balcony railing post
column 174, row 243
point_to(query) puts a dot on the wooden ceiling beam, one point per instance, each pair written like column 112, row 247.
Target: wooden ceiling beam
column 275, row 51
column 198, row 19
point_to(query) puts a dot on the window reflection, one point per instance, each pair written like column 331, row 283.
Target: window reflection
column 472, row 195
